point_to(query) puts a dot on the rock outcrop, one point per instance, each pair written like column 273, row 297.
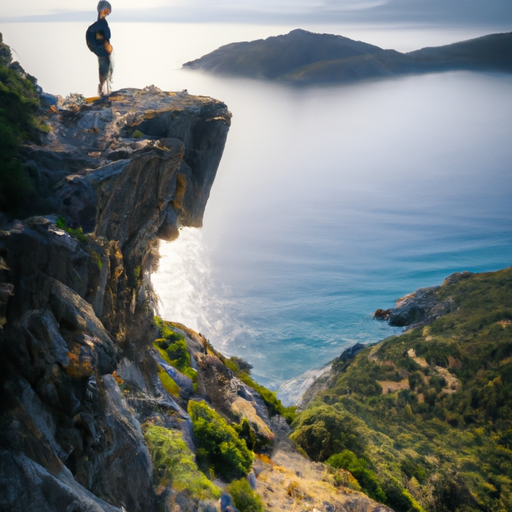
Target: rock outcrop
column 421, row 307
column 75, row 304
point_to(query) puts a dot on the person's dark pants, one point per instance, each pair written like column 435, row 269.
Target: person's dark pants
column 105, row 69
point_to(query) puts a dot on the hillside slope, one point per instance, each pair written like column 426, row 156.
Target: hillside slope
column 277, row 56
column 492, row 52
column 424, row 419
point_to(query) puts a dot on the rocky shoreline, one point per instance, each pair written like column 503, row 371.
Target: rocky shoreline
column 421, row 307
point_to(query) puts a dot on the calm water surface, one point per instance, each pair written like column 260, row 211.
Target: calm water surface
column 333, row 202
column 330, row 202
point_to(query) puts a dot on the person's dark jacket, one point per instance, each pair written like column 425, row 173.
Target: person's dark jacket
column 96, row 37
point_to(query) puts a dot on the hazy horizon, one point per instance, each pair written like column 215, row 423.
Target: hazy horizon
column 493, row 12
column 39, row 49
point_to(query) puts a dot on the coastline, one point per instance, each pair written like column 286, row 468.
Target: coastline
column 292, row 391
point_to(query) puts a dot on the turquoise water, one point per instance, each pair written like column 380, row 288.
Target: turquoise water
column 333, row 202
column 329, row 202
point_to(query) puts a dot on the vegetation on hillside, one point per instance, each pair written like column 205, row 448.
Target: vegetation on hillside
column 172, row 347
column 19, row 103
column 226, row 448
column 219, row 447
column 358, row 467
column 77, row 233
column 168, row 382
column 244, row 498
column 174, row 466
column 242, row 370
column 424, row 420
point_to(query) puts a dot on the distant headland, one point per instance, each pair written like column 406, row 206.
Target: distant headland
column 303, row 57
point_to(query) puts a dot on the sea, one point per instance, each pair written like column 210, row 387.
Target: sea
column 330, row 201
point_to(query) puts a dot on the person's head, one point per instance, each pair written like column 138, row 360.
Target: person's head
column 104, row 8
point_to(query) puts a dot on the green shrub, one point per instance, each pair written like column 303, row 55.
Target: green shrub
column 173, row 464
column 400, row 499
column 244, row 498
column 246, row 432
column 77, row 233
column 166, row 331
column 237, row 364
column 177, row 352
column 359, row 468
column 219, row 446
column 173, row 349
column 5, row 52
column 415, row 380
column 323, row 431
column 15, row 185
column 19, row 102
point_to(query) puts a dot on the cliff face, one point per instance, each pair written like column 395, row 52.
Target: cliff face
column 95, row 392
column 75, row 306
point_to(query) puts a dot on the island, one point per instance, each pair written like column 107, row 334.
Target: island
column 302, row 57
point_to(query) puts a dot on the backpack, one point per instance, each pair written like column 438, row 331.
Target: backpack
column 90, row 38
column 96, row 42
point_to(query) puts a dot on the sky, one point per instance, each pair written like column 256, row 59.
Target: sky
column 451, row 12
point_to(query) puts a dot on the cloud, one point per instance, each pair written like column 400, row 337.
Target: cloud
column 295, row 6
column 267, row 11
column 351, row 5
column 36, row 8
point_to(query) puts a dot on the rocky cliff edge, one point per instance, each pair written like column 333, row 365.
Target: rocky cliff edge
column 93, row 399
column 119, row 173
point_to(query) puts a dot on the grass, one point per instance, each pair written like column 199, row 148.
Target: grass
column 168, row 383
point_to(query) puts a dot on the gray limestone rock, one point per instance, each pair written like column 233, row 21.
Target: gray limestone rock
column 418, row 308
column 226, row 504
column 27, row 486
column 74, row 303
column 421, row 307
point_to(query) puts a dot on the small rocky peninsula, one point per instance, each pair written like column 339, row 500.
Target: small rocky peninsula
column 103, row 406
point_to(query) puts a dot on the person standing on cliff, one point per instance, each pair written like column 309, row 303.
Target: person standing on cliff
column 98, row 41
